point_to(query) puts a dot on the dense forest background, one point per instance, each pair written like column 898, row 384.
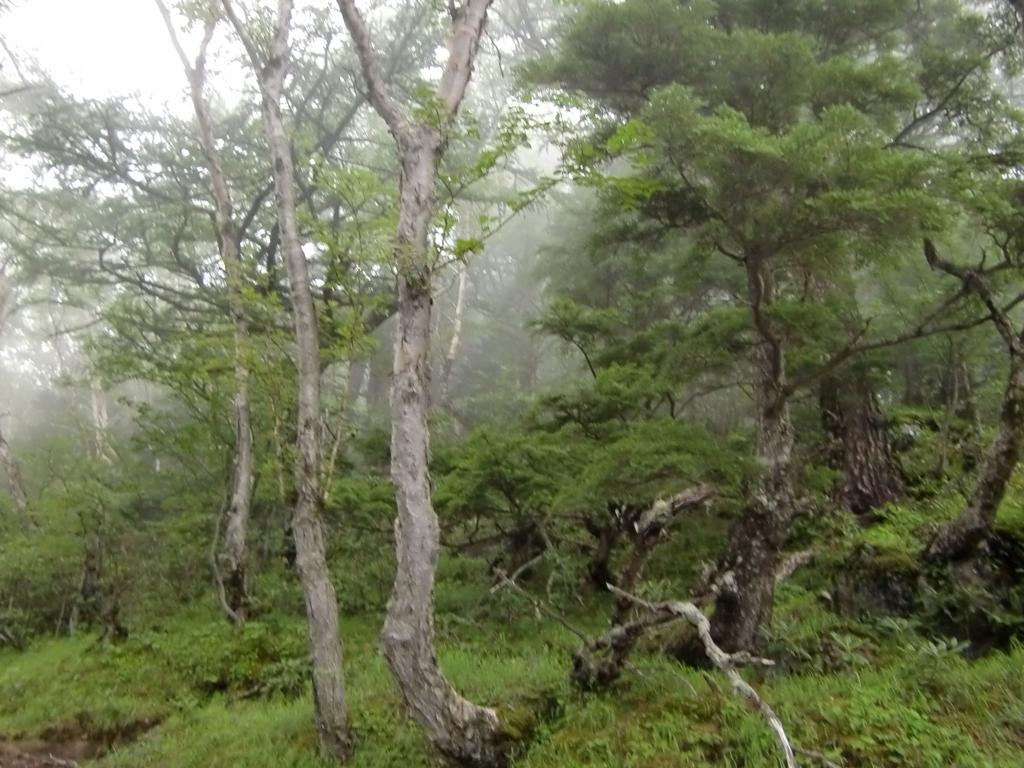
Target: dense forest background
column 653, row 368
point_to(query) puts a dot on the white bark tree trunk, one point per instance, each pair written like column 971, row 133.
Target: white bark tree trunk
column 467, row 733
column 307, row 529
column 456, row 340
column 231, row 560
column 100, row 421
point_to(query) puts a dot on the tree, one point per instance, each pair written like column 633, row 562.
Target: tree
column 960, row 537
column 7, row 459
column 460, row 729
column 321, row 603
column 232, row 558
column 781, row 162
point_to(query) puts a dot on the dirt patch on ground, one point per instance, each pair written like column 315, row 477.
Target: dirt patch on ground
column 68, row 744
column 37, row 755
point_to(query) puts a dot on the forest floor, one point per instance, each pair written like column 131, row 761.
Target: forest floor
column 190, row 691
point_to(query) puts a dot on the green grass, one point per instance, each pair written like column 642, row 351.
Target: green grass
column 909, row 709
column 70, row 684
column 868, row 694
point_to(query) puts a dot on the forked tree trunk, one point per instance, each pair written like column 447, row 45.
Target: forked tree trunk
column 459, row 729
column 746, row 583
column 307, row 530
column 858, row 442
column 975, row 524
column 960, row 537
column 463, row 731
column 231, row 559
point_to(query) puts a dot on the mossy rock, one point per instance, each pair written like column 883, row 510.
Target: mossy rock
column 979, row 599
column 521, row 718
column 878, row 581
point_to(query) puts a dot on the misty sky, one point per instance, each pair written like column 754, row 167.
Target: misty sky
column 101, row 48
column 98, row 47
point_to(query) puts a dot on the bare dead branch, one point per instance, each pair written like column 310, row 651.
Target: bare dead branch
column 725, row 662
column 794, row 563
column 649, row 529
column 974, row 282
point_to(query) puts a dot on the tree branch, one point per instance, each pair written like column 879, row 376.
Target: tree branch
column 726, row 663
column 376, row 93
column 974, row 281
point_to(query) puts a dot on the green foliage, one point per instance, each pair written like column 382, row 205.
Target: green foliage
column 865, row 694
column 263, row 657
column 749, row 174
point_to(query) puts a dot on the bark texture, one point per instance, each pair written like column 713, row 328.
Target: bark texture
column 960, row 537
column 746, row 581
column 231, row 560
column 307, row 530
column 858, row 442
column 466, row 733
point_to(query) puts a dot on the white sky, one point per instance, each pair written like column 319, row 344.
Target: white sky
column 99, row 48
column 103, row 48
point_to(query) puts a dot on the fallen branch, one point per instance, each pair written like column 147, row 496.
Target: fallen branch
column 664, row 613
column 648, row 530
column 794, row 563
column 816, row 756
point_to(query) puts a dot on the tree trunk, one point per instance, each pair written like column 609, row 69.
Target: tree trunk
column 231, row 560
column 16, row 485
column 858, row 442
column 607, row 533
column 463, row 731
column 310, row 551
column 311, row 560
column 100, row 421
column 232, row 557
column 357, row 370
column 378, row 374
column 456, row 340
column 747, row 579
column 960, row 537
column 460, row 729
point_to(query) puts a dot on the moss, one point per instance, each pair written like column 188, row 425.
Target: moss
column 874, row 580
column 1010, row 519
column 893, row 562
column 863, row 691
